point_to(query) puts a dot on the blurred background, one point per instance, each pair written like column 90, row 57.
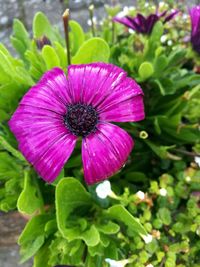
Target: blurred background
column 25, row 10
column 11, row 224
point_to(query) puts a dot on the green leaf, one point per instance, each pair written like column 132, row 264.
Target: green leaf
column 42, row 27
column 62, row 54
column 160, row 64
column 90, row 236
column 32, row 237
column 119, row 213
column 50, row 57
column 20, row 37
column 160, row 151
column 166, row 86
column 6, row 65
column 21, row 33
column 38, row 66
column 157, row 32
column 109, row 228
column 96, row 250
column 13, row 151
column 78, row 35
column 8, row 167
column 64, row 252
column 165, row 216
column 70, row 195
column 146, row 70
column 42, row 256
column 176, row 56
column 23, row 77
column 30, row 199
column 3, row 115
column 93, row 50
column 18, row 45
column 111, row 251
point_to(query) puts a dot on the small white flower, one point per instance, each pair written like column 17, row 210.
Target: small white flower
column 104, row 189
column 126, row 9
column 163, row 192
column 197, row 160
column 140, row 195
column 131, row 31
column 163, row 38
column 169, row 43
column 162, row 4
column 114, row 263
column 150, row 265
column 89, row 22
column 198, row 231
column 185, row 16
column 147, row 238
column 188, row 179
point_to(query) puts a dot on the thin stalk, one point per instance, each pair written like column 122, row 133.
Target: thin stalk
column 65, row 17
column 113, row 32
column 91, row 11
column 191, row 154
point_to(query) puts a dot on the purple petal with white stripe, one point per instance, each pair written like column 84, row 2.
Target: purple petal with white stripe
column 105, row 152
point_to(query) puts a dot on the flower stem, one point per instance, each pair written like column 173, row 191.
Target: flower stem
column 113, row 32
column 187, row 153
column 91, row 11
column 65, row 17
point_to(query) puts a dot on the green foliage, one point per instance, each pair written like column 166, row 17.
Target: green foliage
column 42, row 27
column 33, row 236
column 69, row 224
column 30, row 199
column 77, row 35
column 20, row 38
column 50, row 57
column 93, row 50
column 145, row 70
column 119, row 213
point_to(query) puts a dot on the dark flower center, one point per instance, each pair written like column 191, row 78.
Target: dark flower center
column 81, row 119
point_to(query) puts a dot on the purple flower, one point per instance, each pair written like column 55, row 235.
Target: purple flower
column 195, row 33
column 143, row 24
column 59, row 109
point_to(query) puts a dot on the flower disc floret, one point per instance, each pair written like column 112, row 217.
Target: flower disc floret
column 81, row 119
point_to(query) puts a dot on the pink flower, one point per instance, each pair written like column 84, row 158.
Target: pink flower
column 142, row 24
column 58, row 110
column 195, row 24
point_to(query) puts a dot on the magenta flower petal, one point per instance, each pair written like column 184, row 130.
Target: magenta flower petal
column 195, row 31
column 52, row 161
column 143, row 24
column 92, row 83
column 124, row 104
column 125, row 21
column 131, row 109
column 39, row 126
column 51, row 92
column 171, row 16
column 105, row 152
column 59, row 109
column 43, row 139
